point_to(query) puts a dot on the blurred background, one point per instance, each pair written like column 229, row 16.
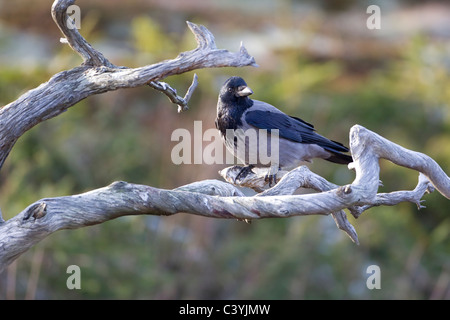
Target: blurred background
column 318, row 61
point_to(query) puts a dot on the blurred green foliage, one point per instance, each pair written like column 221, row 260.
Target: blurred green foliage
column 125, row 135
column 150, row 39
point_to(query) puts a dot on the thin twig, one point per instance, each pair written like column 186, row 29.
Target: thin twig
column 172, row 93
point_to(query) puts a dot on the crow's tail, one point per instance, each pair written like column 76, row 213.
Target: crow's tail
column 340, row 158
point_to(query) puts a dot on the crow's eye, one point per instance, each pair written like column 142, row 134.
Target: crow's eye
column 230, row 89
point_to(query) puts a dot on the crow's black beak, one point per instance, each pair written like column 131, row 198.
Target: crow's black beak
column 244, row 91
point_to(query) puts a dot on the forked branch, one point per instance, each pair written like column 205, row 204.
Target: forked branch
column 74, row 39
column 216, row 199
column 172, row 93
column 95, row 75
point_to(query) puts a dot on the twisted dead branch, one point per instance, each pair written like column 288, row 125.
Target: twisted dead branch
column 208, row 198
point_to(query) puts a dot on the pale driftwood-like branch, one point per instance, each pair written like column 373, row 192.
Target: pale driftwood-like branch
column 367, row 149
column 216, row 199
column 376, row 147
column 90, row 56
column 97, row 75
column 46, row 216
column 302, row 177
column 393, row 198
column 254, row 180
column 290, row 182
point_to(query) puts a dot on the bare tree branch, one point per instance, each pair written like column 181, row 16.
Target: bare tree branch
column 46, row 216
column 367, row 149
column 393, row 198
column 74, row 39
column 209, row 198
column 385, row 149
column 172, row 93
column 217, row 199
column 98, row 75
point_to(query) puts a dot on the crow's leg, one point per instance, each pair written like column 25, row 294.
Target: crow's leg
column 244, row 172
column 271, row 175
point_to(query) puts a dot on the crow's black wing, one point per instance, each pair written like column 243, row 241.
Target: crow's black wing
column 291, row 128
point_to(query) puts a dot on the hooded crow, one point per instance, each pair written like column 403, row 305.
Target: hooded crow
column 296, row 139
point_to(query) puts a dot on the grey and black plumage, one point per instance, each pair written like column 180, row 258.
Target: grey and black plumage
column 298, row 140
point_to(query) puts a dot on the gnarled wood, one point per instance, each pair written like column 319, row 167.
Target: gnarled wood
column 215, row 199
column 209, row 198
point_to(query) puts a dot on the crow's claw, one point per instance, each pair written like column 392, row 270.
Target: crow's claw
column 244, row 172
column 271, row 179
column 271, row 175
